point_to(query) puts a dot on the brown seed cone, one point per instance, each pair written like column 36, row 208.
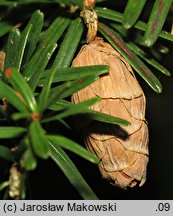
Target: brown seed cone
column 123, row 151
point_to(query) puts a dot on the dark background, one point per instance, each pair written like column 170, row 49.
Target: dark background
column 48, row 182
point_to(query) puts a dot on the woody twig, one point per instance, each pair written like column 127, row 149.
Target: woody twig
column 90, row 19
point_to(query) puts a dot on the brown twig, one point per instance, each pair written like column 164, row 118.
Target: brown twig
column 90, row 19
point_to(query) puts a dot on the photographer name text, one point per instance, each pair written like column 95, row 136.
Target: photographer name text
column 67, row 207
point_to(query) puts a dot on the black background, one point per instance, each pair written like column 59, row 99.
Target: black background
column 48, row 182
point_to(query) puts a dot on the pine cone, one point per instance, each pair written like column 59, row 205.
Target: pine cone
column 123, row 151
